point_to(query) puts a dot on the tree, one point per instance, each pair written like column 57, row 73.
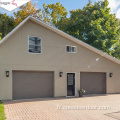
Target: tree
column 51, row 13
column 104, row 27
column 115, row 49
column 0, row 36
column 94, row 24
column 6, row 24
column 54, row 13
column 26, row 10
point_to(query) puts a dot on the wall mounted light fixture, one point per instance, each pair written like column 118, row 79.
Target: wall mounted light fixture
column 7, row 73
column 111, row 74
column 60, row 74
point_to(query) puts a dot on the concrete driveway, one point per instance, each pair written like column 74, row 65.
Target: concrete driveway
column 104, row 107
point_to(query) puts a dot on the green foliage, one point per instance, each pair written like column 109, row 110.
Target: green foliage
column 0, row 36
column 54, row 12
column 2, row 115
column 81, row 91
column 6, row 24
column 95, row 25
column 115, row 49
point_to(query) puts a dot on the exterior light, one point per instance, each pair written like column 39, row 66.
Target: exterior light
column 7, row 73
column 60, row 74
column 111, row 74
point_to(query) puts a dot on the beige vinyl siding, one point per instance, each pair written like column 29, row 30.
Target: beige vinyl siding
column 14, row 56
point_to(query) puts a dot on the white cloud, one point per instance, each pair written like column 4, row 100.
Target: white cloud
column 115, row 7
column 118, row 13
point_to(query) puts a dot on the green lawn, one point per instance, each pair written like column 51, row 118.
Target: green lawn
column 2, row 115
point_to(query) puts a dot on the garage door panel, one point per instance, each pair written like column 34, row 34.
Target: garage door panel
column 93, row 82
column 27, row 85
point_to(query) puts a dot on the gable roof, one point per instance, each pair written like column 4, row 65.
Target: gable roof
column 63, row 34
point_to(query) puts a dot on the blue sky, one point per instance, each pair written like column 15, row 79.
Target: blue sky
column 68, row 4
column 72, row 4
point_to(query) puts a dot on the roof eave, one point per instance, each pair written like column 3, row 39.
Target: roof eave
column 15, row 29
column 76, row 40
column 63, row 34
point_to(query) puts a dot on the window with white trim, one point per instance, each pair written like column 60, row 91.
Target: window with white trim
column 34, row 44
column 71, row 49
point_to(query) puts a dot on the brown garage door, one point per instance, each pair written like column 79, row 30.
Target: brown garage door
column 93, row 83
column 27, row 85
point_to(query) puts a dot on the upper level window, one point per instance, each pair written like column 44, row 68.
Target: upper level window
column 34, row 44
column 71, row 49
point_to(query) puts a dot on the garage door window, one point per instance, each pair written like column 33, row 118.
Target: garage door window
column 34, row 44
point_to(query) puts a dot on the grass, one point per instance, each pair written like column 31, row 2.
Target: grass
column 2, row 115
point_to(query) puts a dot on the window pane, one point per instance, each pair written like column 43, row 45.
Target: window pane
column 37, row 41
column 68, row 48
column 73, row 49
column 34, row 49
column 70, row 79
column 34, row 41
column 34, row 45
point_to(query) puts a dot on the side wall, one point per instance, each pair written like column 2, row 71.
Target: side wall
column 14, row 56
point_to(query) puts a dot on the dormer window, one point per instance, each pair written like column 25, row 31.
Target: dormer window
column 71, row 49
column 34, row 44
